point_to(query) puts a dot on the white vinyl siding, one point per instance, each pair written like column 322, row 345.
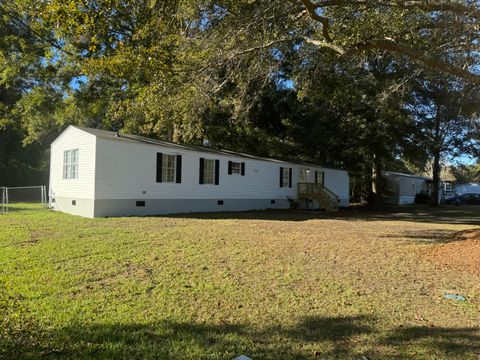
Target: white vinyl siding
column 117, row 168
column 82, row 189
column 123, row 172
column 168, row 168
column 70, row 164
column 209, row 171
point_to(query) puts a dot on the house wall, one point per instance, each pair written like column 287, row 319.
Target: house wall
column 126, row 172
column 82, row 190
column 404, row 188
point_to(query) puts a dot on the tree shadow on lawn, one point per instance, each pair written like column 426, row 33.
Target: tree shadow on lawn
column 437, row 236
column 426, row 236
column 311, row 338
column 466, row 215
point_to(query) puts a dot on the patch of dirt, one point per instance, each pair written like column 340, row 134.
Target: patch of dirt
column 461, row 253
column 35, row 237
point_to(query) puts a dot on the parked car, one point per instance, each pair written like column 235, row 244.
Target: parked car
column 451, row 200
column 467, row 199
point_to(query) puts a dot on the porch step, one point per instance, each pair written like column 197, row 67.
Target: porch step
column 327, row 199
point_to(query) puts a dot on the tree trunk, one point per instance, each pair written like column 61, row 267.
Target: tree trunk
column 436, row 150
column 378, row 182
column 436, row 178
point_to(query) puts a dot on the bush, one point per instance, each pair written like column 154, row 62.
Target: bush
column 422, row 198
column 294, row 204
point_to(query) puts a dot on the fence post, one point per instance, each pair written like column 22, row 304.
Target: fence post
column 6, row 199
column 3, row 199
column 45, row 199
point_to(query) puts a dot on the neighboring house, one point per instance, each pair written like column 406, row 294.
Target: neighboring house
column 399, row 189
column 96, row 173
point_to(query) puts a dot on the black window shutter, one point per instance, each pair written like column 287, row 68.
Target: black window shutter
column 290, row 177
column 179, row 169
column 281, row 176
column 323, row 178
column 316, row 177
column 229, row 168
column 217, row 172
column 243, row 169
column 159, row 167
column 200, row 180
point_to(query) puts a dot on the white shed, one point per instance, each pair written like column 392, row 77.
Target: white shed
column 400, row 189
column 96, row 173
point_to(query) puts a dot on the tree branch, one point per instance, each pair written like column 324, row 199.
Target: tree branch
column 392, row 46
column 16, row 17
column 312, row 12
column 389, row 44
column 259, row 47
column 454, row 7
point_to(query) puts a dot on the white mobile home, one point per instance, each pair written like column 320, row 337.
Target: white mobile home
column 400, row 189
column 96, row 173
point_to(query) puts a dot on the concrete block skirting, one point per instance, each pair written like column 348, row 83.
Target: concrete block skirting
column 126, row 207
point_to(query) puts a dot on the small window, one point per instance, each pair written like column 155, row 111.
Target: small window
column 74, row 202
column 285, row 177
column 236, row 168
column 209, row 171
column 140, row 204
column 220, row 202
column 272, row 202
column 70, row 164
column 168, row 168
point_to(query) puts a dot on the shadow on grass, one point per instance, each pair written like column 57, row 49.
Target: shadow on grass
column 312, row 337
column 426, row 236
column 17, row 207
column 438, row 236
column 466, row 215
column 453, row 341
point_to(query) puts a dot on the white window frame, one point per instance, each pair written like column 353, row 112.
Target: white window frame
column 285, row 177
column 209, row 171
column 70, row 164
column 236, row 168
column 169, row 167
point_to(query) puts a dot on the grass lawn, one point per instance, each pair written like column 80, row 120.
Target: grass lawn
column 270, row 285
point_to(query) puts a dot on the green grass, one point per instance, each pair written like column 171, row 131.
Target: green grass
column 270, row 285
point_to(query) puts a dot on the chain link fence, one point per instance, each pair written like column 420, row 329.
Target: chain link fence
column 14, row 197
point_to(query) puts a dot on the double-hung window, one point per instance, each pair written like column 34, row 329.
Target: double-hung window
column 285, row 177
column 209, row 171
column 236, row 167
column 168, row 168
column 70, row 164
